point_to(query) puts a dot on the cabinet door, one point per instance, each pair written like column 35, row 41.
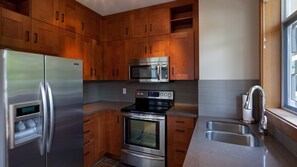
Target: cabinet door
column 115, row 60
column 182, row 56
column 90, row 23
column 159, row 46
column 139, row 48
column 140, row 23
column 114, row 134
column 159, row 21
column 100, row 134
column 47, row 11
column 68, row 44
column 96, row 60
column 45, row 37
column 15, row 30
column 71, row 17
column 84, row 46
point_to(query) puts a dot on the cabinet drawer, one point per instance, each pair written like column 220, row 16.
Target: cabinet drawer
column 182, row 134
column 89, row 154
column 89, row 135
column 181, row 121
column 88, row 126
column 89, row 147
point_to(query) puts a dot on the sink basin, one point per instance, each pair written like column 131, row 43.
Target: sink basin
column 233, row 138
column 228, row 127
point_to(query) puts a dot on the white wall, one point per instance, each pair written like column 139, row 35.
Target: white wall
column 229, row 39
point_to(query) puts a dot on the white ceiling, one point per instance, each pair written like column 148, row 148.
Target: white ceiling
column 107, row 7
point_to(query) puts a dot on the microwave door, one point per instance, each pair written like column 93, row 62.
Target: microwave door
column 144, row 73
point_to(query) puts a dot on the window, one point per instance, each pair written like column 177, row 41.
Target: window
column 290, row 54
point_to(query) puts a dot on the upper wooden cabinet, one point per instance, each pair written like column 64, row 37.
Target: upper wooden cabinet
column 90, row 25
column 154, row 46
column 151, row 21
column 68, row 44
column 182, row 56
column 45, row 37
column 15, row 30
column 115, row 64
column 47, row 11
column 70, row 15
column 117, row 27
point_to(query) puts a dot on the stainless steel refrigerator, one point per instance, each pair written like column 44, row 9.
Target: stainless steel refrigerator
column 41, row 111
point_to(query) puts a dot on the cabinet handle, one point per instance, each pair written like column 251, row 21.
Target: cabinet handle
column 151, row 28
column 62, row 19
column 145, row 50
column 57, row 15
column 112, row 72
column 87, row 131
column 36, row 37
column 151, row 49
column 27, row 36
column 180, row 122
column 126, row 31
column 180, row 151
column 145, row 28
column 117, row 72
column 88, row 120
column 87, row 142
column 172, row 71
column 180, row 131
column 87, row 153
column 82, row 26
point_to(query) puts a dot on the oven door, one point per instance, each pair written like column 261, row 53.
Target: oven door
column 144, row 133
column 144, row 73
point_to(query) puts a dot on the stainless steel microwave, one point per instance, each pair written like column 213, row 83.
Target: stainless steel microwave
column 155, row 69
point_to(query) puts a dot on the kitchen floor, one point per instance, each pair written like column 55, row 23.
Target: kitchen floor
column 107, row 162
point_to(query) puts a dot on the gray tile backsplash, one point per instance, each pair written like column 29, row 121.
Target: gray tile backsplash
column 223, row 98
column 185, row 91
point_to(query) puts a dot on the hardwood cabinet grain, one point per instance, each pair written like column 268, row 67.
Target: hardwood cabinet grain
column 71, row 16
column 47, row 11
column 114, row 134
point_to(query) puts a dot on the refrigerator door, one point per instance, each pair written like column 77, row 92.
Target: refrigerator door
column 64, row 84
column 23, row 80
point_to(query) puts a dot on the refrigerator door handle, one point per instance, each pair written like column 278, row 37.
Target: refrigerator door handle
column 52, row 117
column 45, row 119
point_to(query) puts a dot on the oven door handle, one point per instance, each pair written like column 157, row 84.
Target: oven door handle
column 159, row 72
column 148, row 119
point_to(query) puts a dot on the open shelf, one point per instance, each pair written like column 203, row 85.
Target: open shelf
column 181, row 18
column 19, row 6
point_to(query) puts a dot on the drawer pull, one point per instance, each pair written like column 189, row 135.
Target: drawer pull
column 181, row 131
column 88, row 120
column 87, row 153
column 180, row 151
column 87, row 131
column 87, row 142
column 180, row 122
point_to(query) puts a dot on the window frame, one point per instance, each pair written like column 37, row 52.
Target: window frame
column 287, row 21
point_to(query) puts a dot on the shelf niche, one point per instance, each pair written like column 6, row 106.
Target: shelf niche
column 181, row 18
column 19, row 6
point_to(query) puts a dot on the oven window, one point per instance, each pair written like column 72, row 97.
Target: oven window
column 144, row 72
column 142, row 133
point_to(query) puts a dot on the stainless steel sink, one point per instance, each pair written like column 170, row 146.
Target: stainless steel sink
column 233, row 138
column 228, row 127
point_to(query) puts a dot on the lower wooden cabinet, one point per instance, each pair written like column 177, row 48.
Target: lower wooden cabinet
column 179, row 133
column 102, row 136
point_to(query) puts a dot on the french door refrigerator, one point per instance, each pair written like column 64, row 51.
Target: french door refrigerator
column 41, row 111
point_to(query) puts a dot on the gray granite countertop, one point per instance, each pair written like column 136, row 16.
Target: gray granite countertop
column 185, row 110
column 104, row 105
column 205, row 153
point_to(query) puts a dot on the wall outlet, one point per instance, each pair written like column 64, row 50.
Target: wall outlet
column 124, row 91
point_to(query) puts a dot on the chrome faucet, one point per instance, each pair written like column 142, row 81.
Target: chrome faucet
column 248, row 106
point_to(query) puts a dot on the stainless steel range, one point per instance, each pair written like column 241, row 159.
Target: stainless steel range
column 143, row 141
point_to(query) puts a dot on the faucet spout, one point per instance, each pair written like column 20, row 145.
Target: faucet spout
column 248, row 106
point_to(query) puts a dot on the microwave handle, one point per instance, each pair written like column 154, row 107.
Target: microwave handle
column 159, row 71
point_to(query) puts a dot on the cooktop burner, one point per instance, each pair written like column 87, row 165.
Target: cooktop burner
column 153, row 102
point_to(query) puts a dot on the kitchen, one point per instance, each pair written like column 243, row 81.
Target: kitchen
column 212, row 84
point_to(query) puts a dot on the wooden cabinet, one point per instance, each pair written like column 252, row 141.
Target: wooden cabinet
column 89, row 141
column 114, row 134
column 149, row 47
column 115, row 64
column 100, row 134
column 117, row 26
column 151, row 21
column 179, row 133
column 90, row 24
column 70, row 16
column 45, row 37
column 68, row 44
column 47, row 11
column 182, row 56
column 15, row 30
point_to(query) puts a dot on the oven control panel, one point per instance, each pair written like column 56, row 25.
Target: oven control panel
column 154, row 94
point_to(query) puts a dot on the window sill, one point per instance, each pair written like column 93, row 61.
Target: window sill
column 283, row 120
